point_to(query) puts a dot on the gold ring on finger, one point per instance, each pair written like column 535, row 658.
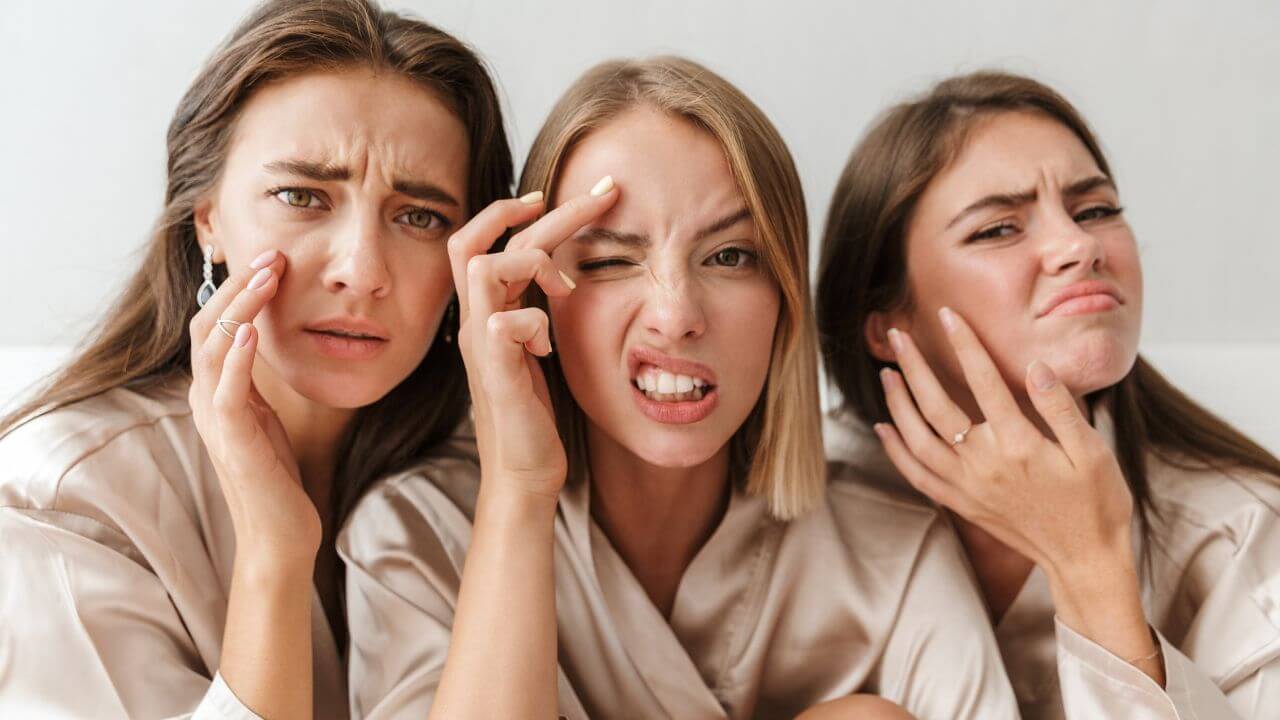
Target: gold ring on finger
column 960, row 436
column 229, row 331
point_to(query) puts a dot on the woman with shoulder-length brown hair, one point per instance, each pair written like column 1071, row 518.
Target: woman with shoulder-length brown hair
column 651, row 531
column 168, row 502
column 980, row 301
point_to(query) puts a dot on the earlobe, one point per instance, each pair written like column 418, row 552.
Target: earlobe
column 876, row 335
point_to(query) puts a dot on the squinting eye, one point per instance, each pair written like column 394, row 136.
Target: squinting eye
column 1101, row 212
column 421, row 218
column 998, row 231
column 296, row 197
column 732, row 257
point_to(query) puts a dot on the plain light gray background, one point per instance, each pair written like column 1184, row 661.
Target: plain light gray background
column 1185, row 96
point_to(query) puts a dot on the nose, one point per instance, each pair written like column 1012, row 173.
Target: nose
column 1069, row 246
column 673, row 310
column 358, row 262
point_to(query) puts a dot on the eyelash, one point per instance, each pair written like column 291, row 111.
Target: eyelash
column 1103, row 212
column 276, row 192
column 748, row 258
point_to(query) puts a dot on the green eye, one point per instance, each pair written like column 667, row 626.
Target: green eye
column 298, row 198
column 419, row 218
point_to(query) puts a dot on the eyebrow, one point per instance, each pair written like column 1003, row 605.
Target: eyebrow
column 602, row 235
column 1010, row 200
column 328, row 172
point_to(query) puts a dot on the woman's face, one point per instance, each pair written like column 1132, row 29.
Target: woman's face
column 1022, row 235
column 666, row 341
column 358, row 178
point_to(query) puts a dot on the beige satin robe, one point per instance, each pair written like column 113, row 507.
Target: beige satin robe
column 868, row 593
column 116, row 551
column 1212, row 596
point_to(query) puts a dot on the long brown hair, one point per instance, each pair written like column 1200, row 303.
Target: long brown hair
column 777, row 452
column 863, row 270
column 143, row 342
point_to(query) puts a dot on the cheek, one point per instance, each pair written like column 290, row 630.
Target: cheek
column 749, row 318
column 587, row 329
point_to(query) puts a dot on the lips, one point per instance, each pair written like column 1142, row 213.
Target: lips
column 348, row 338
column 671, row 390
column 1083, row 297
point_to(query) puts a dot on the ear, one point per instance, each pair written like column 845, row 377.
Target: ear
column 876, row 333
column 206, row 222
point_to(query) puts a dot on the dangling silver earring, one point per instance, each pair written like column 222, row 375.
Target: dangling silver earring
column 207, row 288
column 450, row 314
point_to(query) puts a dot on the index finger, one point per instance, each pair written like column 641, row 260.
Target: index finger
column 203, row 322
column 558, row 225
column 481, row 232
column 985, row 381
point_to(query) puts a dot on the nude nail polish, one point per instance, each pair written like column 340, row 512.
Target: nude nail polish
column 602, row 187
column 264, row 259
column 260, row 278
column 531, row 198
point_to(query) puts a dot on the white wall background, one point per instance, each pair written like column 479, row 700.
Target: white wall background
column 1184, row 94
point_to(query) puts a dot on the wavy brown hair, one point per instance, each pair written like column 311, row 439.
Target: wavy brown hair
column 863, row 270
column 777, row 453
column 143, row 342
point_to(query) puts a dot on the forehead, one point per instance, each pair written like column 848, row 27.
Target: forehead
column 344, row 116
column 670, row 170
column 1008, row 153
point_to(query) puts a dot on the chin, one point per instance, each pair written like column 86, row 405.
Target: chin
column 1094, row 362
column 338, row 390
column 681, row 449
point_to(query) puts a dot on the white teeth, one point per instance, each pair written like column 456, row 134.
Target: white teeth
column 699, row 383
column 666, row 383
column 684, row 383
column 693, row 395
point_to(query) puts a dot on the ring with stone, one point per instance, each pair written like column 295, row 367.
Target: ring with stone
column 959, row 437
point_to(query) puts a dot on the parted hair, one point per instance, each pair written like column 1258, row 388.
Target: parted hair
column 777, row 453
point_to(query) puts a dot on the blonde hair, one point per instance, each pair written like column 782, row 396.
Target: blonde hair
column 778, row 450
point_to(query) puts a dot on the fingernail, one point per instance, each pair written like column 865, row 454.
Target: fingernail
column 602, row 187
column 886, row 375
column 895, row 339
column 264, row 259
column 1042, row 376
column 878, row 428
column 531, row 198
column 242, row 335
column 948, row 319
column 567, row 280
column 260, row 278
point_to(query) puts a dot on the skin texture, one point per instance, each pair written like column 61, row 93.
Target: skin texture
column 301, row 248
column 656, row 492
column 1032, row 483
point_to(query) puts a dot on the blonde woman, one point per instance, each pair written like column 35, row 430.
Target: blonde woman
column 650, row 532
column 981, row 291
column 168, row 503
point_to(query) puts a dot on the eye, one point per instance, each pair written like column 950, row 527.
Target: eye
column 297, row 197
column 602, row 264
column 1098, row 212
column 423, row 219
column 732, row 257
column 995, row 232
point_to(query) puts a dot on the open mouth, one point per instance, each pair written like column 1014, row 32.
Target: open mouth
column 666, row 387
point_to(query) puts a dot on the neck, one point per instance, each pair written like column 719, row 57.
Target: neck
column 313, row 430
column 657, row 518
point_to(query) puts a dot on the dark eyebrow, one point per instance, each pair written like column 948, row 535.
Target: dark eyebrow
column 1008, row 200
column 723, row 224
column 425, row 191
column 318, row 171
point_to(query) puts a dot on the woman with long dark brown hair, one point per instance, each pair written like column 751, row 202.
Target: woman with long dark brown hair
column 979, row 303
column 169, row 500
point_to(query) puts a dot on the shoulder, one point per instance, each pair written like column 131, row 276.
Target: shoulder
column 121, row 435
column 435, row 498
column 1228, row 503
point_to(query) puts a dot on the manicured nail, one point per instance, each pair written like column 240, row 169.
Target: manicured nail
column 602, row 187
column 567, row 280
column 879, row 429
column 948, row 319
column 531, row 198
column 886, row 375
column 260, row 278
column 895, row 339
column 264, row 259
column 1042, row 376
column 242, row 335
